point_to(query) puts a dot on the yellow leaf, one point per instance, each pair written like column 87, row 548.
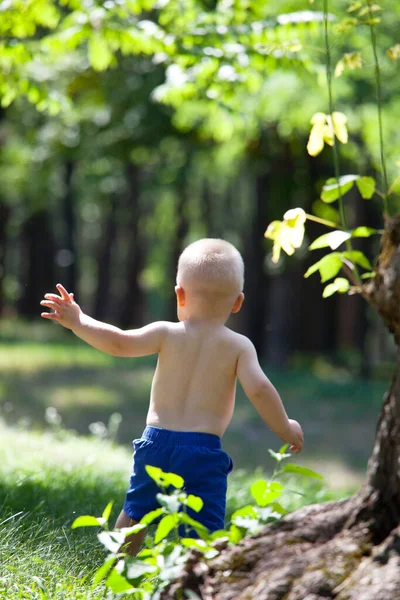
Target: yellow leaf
column 315, row 143
column 394, row 52
column 339, row 68
column 328, row 133
column 276, row 253
column 287, row 234
column 318, row 119
column 353, row 60
column 294, row 216
column 339, row 121
column 294, row 220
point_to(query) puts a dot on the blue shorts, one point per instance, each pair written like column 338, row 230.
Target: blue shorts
column 197, row 457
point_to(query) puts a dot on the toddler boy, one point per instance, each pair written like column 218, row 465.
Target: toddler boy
column 193, row 390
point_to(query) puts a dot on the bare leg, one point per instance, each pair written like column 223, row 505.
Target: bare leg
column 133, row 541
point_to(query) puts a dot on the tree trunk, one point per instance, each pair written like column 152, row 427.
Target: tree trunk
column 255, row 285
column 4, row 217
column 37, row 262
column 132, row 312
column 182, row 228
column 346, row 550
column 68, row 258
column 104, row 262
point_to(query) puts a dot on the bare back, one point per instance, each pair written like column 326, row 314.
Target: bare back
column 195, row 381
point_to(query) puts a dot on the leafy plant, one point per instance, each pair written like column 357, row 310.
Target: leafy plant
column 144, row 576
column 331, row 128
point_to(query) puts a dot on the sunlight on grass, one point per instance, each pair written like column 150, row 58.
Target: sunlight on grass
column 73, row 397
column 27, row 451
column 28, row 358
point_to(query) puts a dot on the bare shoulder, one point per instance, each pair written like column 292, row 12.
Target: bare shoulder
column 240, row 342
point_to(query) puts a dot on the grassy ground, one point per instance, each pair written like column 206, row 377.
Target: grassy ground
column 48, row 475
column 46, row 480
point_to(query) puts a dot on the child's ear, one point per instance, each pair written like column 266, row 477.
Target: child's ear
column 180, row 295
column 238, row 303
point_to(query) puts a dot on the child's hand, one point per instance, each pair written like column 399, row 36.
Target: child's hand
column 295, row 437
column 66, row 310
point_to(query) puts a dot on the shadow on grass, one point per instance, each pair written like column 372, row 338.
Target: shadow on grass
column 37, row 517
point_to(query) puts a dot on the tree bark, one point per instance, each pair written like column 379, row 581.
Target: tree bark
column 255, row 285
column 132, row 311
column 104, row 262
column 70, row 266
column 37, row 262
column 346, row 550
column 4, row 218
column 182, row 229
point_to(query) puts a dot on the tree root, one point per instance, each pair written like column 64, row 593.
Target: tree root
column 309, row 555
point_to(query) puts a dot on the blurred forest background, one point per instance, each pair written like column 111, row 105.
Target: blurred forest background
column 104, row 195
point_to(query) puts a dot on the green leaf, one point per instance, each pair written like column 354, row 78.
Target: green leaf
column 340, row 285
column 363, row 232
column 217, row 535
column 246, row 511
column 332, row 188
column 200, row 529
column 325, row 211
column 100, row 55
column 164, row 479
column 290, row 468
column 107, row 511
column 133, row 529
column 152, row 515
column 264, row 493
column 195, row 543
column 103, row 571
column 194, row 502
column 366, row 187
column 279, row 456
column 154, row 472
column 283, row 448
column 368, row 275
column 137, row 568
column 277, row 507
column 117, row 583
column 165, row 526
column 88, row 521
column 112, row 540
column 333, row 239
column 359, row 258
column 235, row 534
column 328, row 266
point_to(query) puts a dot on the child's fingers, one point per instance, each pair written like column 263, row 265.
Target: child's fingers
column 63, row 292
column 52, row 316
column 50, row 304
column 53, row 297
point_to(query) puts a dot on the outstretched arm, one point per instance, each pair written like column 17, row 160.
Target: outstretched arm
column 265, row 399
column 107, row 338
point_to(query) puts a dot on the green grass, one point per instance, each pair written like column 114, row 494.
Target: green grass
column 47, row 480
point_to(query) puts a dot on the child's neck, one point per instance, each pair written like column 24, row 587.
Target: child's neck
column 203, row 320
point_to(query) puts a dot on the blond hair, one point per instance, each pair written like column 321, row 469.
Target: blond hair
column 213, row 266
